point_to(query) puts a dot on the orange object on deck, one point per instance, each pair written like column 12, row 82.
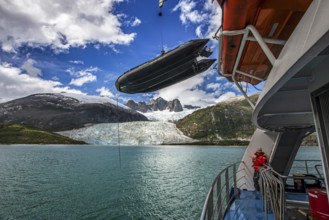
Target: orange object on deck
column 275, row 19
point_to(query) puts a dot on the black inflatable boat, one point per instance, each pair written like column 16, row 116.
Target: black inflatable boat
column 172, row 67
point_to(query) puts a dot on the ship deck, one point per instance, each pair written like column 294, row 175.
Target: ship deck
column 249, row 205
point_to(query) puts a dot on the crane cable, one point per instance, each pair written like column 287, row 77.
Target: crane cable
column 118, row 130
column 161, row 2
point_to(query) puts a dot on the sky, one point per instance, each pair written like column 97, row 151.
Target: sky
column 83, row 46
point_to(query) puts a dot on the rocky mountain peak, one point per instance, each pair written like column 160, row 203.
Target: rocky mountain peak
column 140, row 106
column 174, row 106
column 158, row 104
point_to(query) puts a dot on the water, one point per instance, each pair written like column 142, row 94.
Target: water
column 84, row 182
column 307, row 153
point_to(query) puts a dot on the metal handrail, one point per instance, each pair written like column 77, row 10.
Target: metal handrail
column 211, row 208
column 308, row 166
column 317, row 170
column 262, row 42
column 273, row 188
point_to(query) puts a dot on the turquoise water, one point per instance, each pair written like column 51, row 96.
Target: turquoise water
column 84, row 182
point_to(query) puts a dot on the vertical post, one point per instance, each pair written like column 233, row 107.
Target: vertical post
column 306, row 166
column 234, row 180
column 219, row 197
column 227, row 186
column 210, row 206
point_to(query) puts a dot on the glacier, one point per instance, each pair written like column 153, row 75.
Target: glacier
column 167, row 115
column 159, row 130
column 130, row 133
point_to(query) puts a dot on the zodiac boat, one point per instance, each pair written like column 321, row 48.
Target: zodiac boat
column 284, row 44
column 169, row 68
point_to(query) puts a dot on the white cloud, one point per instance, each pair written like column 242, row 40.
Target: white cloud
column 60, row 24
column 188, row 13
column 15, row 84
column 226, row 96
column 105, row 92
column 30, row 69
column 215, row 18
column 136, row 22
column 76, row 61
column 221, row 79
column 83, row 76
column 188, row 93
column 129, row 21
column 198, row 32
column 213, row 86
column 55, row 78
column 83, row 80
column 210, row 16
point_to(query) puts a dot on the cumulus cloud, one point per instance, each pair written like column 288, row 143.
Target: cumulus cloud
column 15, row 84
column 60, row 24
column 105, row 92
column 213, row 86
column 129, row 21
column 188, row 92
column 29, row 68
column 215, row 17
column 198, row 32
column 189, row 13
column 136, row 22
column 207, row 17
column 199, row 90
column 226, row 96
column 83, row 76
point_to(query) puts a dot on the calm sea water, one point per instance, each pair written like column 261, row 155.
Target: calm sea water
column 84, row 182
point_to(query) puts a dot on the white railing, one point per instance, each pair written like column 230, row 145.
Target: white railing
column 222, row 193
column 273, row 187
column 225, row 189
column 262, row 42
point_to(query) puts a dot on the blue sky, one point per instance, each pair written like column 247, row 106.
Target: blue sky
column 83, row 46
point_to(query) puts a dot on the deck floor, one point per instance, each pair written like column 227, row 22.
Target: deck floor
column 249, row 205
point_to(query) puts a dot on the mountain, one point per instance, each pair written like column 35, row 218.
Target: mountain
column 19, row 134
column 158, row 104
column 130, row 133
column 225, row 123
column 59, row 112
column 191, row 107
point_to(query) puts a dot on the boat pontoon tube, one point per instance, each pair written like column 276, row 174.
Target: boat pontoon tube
column 170, row 68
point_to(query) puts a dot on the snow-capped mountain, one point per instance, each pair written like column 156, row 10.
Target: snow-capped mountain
column 130, row 133
column 161, row 110
column 158, row 104
column 83, row 99
column 58, row 112
column 167, row 115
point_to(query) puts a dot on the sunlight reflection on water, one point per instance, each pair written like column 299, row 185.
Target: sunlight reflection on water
column 79, row 182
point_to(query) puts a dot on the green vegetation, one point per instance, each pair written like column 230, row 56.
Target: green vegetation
column 20, row 134
column 223, row 124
